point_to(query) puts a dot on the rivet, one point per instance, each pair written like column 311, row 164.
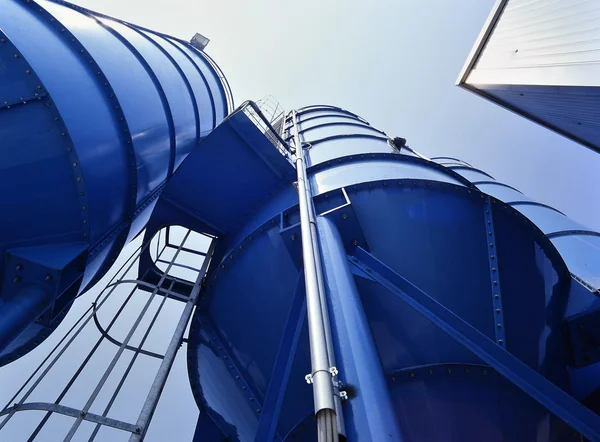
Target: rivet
column 493, row 256
column 355, row 242
column 495, row 282
column 393, row 378
column 244, row 388
column 74, row 164
column 344, row 216
column 490, row 233
column 64, row 134
column 16, row 279
column 412, row 375
column 293, row 237
column 491, row 244
column 27, row 71
column 251, row 399
column 83, row 208
column 498, row 310
column 16, row 55
column 48, row 277
column 499, row 325
column 2, row 40
column 494, row 269
column 496, row 296
column 258, row 410
column 19, row 267
column 500, row 341
column 430, row 371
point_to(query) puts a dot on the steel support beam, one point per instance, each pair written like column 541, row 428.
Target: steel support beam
column 267, row 426
column 370, row 415
column 532, row 383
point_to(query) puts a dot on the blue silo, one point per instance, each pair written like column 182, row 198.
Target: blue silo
column 445, row 303
column 353, row 289
column 95, row 116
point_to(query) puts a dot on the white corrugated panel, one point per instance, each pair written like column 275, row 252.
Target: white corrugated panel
column 542, row 42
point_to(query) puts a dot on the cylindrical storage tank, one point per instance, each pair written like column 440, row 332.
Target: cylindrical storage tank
column 95, row 116
column 407, row 379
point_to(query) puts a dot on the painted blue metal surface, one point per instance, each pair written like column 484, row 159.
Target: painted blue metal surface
column 368, row 414
column 538, row 387
column 95, row 115
column 472, row 254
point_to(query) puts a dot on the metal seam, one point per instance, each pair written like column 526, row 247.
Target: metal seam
column 147, row 68
column 572, row 233
column 496, row 183
column 204, row 81
column 496, row 291
column 339, row 123
column 73, row 159
column 471, row 168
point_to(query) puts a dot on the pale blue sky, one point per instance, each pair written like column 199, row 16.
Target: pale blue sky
column 394, row 63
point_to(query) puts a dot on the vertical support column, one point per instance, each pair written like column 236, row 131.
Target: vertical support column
column 494, row 274
column 370, row 414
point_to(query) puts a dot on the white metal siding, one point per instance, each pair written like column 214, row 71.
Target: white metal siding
column 542, row 42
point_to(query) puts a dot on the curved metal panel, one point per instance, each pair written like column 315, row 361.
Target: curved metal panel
column 67, row 75
column 204, row 98
column 501, row 191
column 329, row 149
column 368, row 170
column 548, row 220
column 85, row 101
column 332, row 117
column 459, row 169
column 141, row 106
column 580, row 252
column 215, row 84
column 331, row 129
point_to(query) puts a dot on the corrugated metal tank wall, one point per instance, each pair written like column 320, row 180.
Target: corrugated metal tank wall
column 95, row 115
column 428, row 221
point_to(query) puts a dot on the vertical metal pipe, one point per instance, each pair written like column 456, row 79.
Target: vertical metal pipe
column 370, row 415
column 160, row 380
column 339, row 414
column 320, row 375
